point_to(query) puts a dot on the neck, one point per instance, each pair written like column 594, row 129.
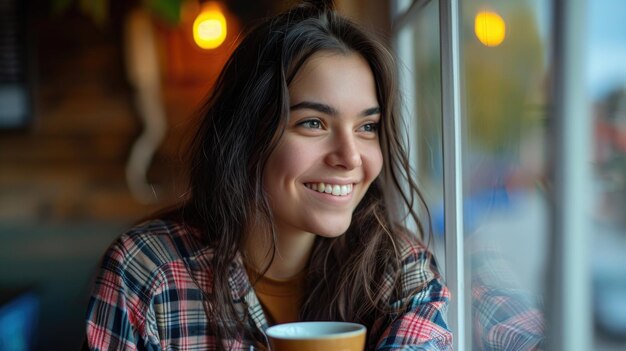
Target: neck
column 293, row 249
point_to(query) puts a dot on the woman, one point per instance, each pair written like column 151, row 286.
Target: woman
column 293, row 174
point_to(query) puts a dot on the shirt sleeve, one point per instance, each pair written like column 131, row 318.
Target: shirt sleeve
column 423, row 301
column 118, row 304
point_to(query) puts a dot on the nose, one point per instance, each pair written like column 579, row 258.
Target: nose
column 344, row 152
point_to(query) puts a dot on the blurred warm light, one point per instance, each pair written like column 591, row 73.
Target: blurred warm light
column 490, row 28
column 209, row 27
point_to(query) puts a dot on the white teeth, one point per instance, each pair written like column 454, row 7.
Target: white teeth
column 334, row 189
column 344, row 190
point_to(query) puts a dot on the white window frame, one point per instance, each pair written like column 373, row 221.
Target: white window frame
column 568, row 303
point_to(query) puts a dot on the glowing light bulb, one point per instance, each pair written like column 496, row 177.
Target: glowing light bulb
column 209, row 27
column 490, row 28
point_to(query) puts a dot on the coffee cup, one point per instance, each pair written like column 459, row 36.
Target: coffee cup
column 317, row 336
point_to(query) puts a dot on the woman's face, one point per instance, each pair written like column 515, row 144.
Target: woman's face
column 330, row 152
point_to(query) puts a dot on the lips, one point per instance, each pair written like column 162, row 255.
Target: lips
column 332, row 189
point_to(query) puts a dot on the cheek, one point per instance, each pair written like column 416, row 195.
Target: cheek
column 374, row 162
column 286, row 162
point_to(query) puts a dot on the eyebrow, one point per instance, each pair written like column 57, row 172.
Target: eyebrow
column 329, row 110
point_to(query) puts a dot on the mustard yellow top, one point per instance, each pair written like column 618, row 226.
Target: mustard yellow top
column 281, row 299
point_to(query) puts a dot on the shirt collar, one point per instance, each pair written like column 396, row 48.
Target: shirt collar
column 243, row 295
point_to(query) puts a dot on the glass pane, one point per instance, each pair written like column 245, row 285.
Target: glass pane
column 607, row 86
column 505, row 48
column 420, row 55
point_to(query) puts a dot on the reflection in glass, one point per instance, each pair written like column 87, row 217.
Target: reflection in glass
column 504, row 70
column 505, row 210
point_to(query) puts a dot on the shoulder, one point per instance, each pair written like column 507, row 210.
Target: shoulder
column 418, row 303
column 135, row 270
column 145, row 248
column 413, row 251
column 418, row 267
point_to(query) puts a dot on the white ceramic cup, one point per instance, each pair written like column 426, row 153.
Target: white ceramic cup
column 317, row 336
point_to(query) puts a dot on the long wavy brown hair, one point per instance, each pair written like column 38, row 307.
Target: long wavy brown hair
column 241, row 123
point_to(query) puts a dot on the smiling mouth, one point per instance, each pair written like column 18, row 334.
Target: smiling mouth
column 332, row 189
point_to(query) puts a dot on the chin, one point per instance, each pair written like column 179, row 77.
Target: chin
column 332, row 231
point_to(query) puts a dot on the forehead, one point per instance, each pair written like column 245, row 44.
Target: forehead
column 335, row 78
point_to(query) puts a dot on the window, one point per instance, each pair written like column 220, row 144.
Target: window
column 606, row 81
column 524, row 178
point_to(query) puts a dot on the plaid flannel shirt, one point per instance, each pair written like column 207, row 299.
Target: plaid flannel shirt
column 149, row 296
